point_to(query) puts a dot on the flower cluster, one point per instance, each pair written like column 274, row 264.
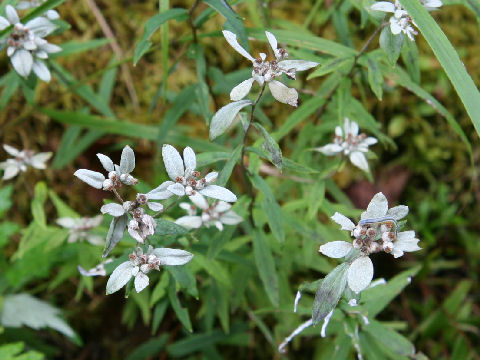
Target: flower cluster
column 79, row 228
column 141, row 264
column 219, row 213
column 27, row 47
column 377, row 231
column 401, row 21
column 21, row 160
column 350, row 143
column 265, row 71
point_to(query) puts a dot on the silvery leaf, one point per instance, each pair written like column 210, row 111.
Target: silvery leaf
column 120, row 276
column 11, row 150
column 141, row 281
column 127, row 160
column 189, row 158
column 169, row 256
column 41, row 70
column 107, row 163
column 224, row 117
column 189, row 222
column 113, row 209
column 38, row 160
column 341, row 219
column 241, row 90
column 336, row 249
column 160, row 192
column 231, row 218
column 115, row 233
column 154, row 206
column 360, row 274
column 232, row 40
column 173, row 162
column 92, row 178
column 22, row 62
column 398, row 212
column 359, row 160
column 283, row 93
column 218, row 192
column 377, row 207
column 298, row 65
column 24, row 309
column 329, row 292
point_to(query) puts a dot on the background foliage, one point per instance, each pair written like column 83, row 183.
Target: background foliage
column 99, row 102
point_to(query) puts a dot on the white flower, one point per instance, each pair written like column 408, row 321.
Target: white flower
column 141, row 264
column 350, row 143
column 217, row 214
column 116, row 174
column 401, row 21
column 22, row 159
column 79, row 228
column 374, row 233
column 26, row 46
column 24, row 5
column 185, row 177
column 98, row 270
column 267, row 71
column 141, row 226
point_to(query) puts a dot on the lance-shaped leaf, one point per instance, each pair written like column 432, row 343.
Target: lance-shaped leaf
column 390, row 338
column 266, row 266
column 92, row 178
column 224, row 117
column 120, row 276
column 271, row 146
column 172, row 256
column 391, row 44
column 115, row 233
column 329, row 292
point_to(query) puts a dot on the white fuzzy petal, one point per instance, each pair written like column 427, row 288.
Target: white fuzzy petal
column 232, row 40
column 398, row 212
column 41, row 70
column 330, row 149
column 113, row 209
column 22, row 62
column 160, row 192
column 189, row 222
column 359, row 160
column 199, row 201
column 342, row 220
column 154, row 206
column 189, row 158
column 127, row 160
column 283, row 93
column 107, row 163
column 120, row 276
column 173, row 162
column 377, row 207
column 177, row 189
column 360, row 274
column 231, row 218
column 41, row 26
column 11, row 150
column 336, row 249
column 169, row 256
column 12, row 15
column 383, row 6
column 298, row 65
column 141, row 281
column 241, row 90
column 218, row 192
column 92, row 178
column 4, row 23
column 272, row 40
column 38, row 160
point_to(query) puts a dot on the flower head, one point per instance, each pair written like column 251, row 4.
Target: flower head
column 265, row 71
column 21, row 160
column 79, row 228
column 186, row 179
column 141, row 264
column 376, row 231
column 219, row 213
column 349, row 142
column 117, row 175
column 26, row 46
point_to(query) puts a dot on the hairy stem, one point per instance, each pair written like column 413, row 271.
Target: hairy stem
column 242, row 156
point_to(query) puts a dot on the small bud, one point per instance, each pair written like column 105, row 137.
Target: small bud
column 371, row 233
column 142, row 199
column 145, row 268
column 108, row 185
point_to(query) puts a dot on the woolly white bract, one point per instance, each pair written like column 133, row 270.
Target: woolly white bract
column 22, row 159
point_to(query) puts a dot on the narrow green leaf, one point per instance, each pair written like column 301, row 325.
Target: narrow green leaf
column 375, row 77
column 266, row 266
column 38, row 203
column 390, row 338
column 271, row 146
column 391, row 44
column 329, row 292
column 181, row 312
column 165, row 227
column 410, row 59
column 334, row 64
column 448, row 58
column 75, row 47
column 229, row 166
column 152, row 25
column 270, row 206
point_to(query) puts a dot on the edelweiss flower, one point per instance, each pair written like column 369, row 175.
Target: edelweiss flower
column 24, row 5
column 98, row 270
column 22, row 159
column 350, row 143
column 217, row 214
column 374, row 233
column 141, row 264
column 267, row 71
column 79, row 228
column 26, row 46
column 116, row 174
column 185, row 178
column 141, row 226
column 400, row 21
